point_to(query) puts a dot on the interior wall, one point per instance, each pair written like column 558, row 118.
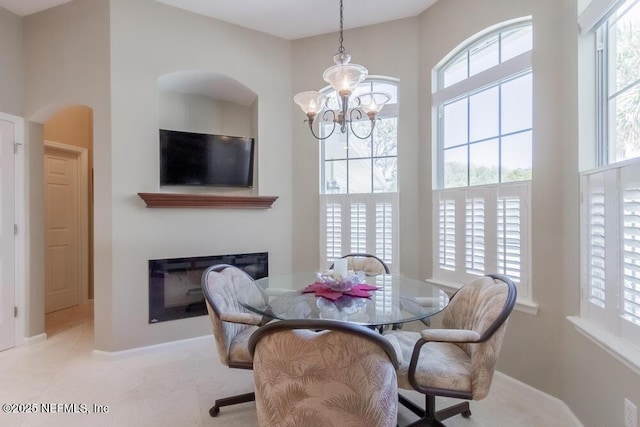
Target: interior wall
column 66, row 63
column 174, row 40
column 11, row 69
column 594, row 383
column 203, row 114
column 544, row 350
column 74, row 126
column 34, row 182
column 389, row 49
column 530, row 339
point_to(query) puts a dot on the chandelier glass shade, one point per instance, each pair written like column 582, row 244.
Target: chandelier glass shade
column 344, row 78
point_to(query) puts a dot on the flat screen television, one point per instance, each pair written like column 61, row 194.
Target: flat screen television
column 188, row 158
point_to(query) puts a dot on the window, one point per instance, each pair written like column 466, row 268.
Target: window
column 610, row 200
column 482, row 158
column 358, row 180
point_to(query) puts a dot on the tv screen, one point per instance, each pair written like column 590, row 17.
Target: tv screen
column 188, row 158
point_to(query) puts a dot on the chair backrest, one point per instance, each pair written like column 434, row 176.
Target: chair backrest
column 484, row 306
column 220, row 285
column 323, row 373
column 371, row 265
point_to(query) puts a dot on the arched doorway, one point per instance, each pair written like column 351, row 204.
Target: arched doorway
column 68, row 208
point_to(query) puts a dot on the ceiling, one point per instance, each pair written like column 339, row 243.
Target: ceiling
column 288, row 19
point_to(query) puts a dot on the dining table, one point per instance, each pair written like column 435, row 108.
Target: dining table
column 374, row 301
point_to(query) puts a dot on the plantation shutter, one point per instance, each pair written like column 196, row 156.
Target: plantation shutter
column 482, row 230
column 333, row 231
column 474, row 234
column 509, row 237
column 630, row 254
column 359, row 223
column 611, row 249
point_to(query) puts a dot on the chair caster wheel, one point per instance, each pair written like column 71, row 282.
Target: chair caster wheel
column 214, row 411
column 466, row 414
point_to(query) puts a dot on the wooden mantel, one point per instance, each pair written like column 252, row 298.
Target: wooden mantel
column 181, row 200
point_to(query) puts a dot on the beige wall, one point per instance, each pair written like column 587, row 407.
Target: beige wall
column 66, row 63
column 150, row 40
column 544, row 350
column 71, row 126
column 10, row 63
column 530, row 339
column 204, row 114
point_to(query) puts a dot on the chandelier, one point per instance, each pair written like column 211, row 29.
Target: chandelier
column 344, row 77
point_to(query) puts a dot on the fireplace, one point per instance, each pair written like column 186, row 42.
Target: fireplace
column 174, row 284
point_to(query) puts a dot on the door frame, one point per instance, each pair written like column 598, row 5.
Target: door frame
column 21, row 253
column 82, row 154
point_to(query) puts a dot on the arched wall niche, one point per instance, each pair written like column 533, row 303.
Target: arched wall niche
column 209, row 102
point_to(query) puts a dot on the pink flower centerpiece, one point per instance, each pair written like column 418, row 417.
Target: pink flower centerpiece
column 332, row 286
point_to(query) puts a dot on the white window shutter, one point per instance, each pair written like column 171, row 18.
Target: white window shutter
column 481, row 230
column 358, row 228
column 596, row 243
column 474, row 236
column 629, row 299
column 447, row 234
column 631, row 254
column 332, row 230
column 610, row 228
column 509, row 242
column 384, row 232
column 359, row 223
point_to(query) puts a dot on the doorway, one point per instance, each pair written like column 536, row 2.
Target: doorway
column 68, row 208
column 66, row 226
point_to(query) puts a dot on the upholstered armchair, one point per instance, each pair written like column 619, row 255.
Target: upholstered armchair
column 458, row 360
column 323, row 373
column 232, row 323
column 371, row 265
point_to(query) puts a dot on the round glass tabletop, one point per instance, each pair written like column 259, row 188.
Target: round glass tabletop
column 397, row 299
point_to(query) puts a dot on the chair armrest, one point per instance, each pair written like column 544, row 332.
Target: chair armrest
column 450, row 335
column 245, row 318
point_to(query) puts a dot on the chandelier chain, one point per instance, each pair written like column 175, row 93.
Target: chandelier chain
column 341, row 48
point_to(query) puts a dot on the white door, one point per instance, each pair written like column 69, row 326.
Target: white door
column 62, row 269
column 7, row 238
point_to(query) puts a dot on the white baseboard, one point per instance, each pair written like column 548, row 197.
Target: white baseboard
column 34, row 339
column 138, row 351
column 552, row 400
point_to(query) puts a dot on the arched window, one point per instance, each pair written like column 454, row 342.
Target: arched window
column 482, row 156
column 359, row 181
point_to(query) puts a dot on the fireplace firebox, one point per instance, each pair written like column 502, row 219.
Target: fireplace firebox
column 175, row 284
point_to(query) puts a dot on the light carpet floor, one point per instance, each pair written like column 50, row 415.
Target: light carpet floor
column 175, row 386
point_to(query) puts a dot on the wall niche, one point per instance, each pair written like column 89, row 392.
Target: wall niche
column 212, row 103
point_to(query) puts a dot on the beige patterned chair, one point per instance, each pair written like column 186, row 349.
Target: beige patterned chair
column 323, row 373
column 459, row 360
column 232, row 323
column 371, row 265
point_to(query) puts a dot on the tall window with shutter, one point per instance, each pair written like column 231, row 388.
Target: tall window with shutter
column 482, row 158
column 358, row 184
column 610, row 193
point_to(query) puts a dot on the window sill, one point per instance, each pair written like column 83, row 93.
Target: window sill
column 523, row 305
column 626, row 353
